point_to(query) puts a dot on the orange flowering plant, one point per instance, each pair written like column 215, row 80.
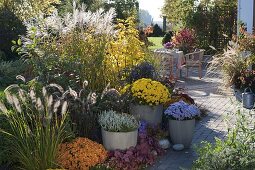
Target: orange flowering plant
column 81, row 153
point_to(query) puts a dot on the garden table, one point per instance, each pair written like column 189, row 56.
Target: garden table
column 178, row 56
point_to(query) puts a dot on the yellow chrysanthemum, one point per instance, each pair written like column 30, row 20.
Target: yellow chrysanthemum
column 150, row 92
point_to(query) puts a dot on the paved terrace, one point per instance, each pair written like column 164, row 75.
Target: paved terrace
column 220, row 106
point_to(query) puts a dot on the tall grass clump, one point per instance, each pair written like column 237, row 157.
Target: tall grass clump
column 80, row 46
column 231, row 62
column 38, row 124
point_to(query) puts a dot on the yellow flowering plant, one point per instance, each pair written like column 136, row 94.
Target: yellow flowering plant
column 147, row 91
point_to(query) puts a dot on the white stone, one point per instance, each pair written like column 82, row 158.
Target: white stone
column 178, row 147
column 164, row 143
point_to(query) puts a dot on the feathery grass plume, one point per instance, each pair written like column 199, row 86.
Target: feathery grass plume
column 73, row 93
column 64, row 108
column 230, row 63
column 35, row 133
column 22, row 95
column 19, row 77
column 9, row 97
column 56, row 86
column 100, row 21
column 16, row 103
column 44, row 91
column 56, row 106
column 3, row 108
column 32, row 96
column 85, row 84
column 49, row 101
column 39, row 105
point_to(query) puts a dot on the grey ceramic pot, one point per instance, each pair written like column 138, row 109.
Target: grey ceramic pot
column 151, row 114
column 119, row 140
column 181, row 132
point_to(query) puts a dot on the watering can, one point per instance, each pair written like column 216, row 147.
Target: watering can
column 248, row 98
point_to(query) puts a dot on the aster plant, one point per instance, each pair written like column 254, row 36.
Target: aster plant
column 182, row 111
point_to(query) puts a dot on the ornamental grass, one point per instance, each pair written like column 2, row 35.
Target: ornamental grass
column 81, row 153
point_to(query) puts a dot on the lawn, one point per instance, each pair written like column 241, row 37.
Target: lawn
column 157, row 42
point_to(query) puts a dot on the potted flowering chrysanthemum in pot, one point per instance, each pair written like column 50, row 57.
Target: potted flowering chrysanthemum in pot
column 119, row 130
column 147, row 99
column 181, row 122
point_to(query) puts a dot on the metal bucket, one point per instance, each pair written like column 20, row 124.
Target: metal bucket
column 248, row 98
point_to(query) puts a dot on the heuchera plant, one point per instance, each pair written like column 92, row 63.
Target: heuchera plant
column 182, row 111
column 145, row 152
column 185, row 40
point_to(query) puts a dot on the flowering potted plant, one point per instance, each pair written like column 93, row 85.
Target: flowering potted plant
column 147, row 99
column 119, row 131
column 185, row 40
column 181, row 122
column 242, row 80
column 169, row 45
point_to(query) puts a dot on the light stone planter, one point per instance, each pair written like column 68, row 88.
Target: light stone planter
column 151, row 114
column 119, row 140
column 181, row 131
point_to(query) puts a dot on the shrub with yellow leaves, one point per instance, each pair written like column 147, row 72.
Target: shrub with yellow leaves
column 126, row 50
column 81, row 153
column 148, row 91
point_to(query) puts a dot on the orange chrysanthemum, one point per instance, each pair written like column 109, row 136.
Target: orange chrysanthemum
column 81, row 153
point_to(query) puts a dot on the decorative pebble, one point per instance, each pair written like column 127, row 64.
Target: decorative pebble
column 164, row 143
column 178, row 147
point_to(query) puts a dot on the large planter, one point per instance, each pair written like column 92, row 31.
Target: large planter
column 181, row 131
column 151, row 114
column 119, row 140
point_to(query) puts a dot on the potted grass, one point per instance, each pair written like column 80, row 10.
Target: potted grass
column 181, row 118
column 147, row 99
column 119, row 130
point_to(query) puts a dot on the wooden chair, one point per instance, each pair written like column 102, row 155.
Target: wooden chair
column 194, row 59
column 166, row 63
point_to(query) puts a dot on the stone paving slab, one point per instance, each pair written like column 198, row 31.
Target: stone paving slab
column 219, row 104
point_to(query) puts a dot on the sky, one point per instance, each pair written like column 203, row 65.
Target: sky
column 153, row 6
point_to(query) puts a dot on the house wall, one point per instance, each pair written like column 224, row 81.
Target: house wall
column 245, row 13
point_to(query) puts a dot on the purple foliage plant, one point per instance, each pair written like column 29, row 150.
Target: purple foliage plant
column 144, row 154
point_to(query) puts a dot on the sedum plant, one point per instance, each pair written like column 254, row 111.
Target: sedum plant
column 116, row 122
column 38, row 124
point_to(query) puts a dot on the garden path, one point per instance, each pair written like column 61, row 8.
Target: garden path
column 219, row 105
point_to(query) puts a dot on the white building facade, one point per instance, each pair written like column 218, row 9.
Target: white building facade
column 246, row 13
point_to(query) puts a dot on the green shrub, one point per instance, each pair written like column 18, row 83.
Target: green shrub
column 11, row 28
column 4, row 155
column 37, row 126
column 167, row 37
column 9, row 70
column 237, row 152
